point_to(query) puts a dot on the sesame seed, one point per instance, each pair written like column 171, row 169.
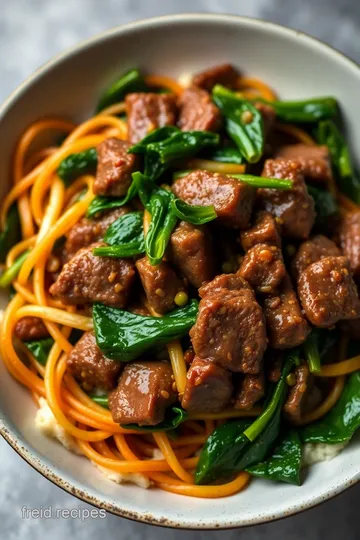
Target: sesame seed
column 164, row 394
column 112, row 277
column 160, row 292
column 118, row 287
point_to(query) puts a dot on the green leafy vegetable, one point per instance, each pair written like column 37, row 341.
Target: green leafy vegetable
column 76, row 165
column 348, row 181
column 284, row 464
column 227, row 154
column 306, row 111
column 10, row 274
column 325, row 339
column 341, row 422
column 197, row 215
column 261, row 182
column 325, row 204
column 235, row 446
column 103, row 204
column 174, row 416
column 159, row 134
column 244, row 123
column 312, row 354
column 11, row 234
column 102, row 400
column 124, row 336
column 125, row 237
column 131, row 81
column 40, row 349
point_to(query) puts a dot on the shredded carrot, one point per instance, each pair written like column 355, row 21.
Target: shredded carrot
column 162, row 81
column 261, row 88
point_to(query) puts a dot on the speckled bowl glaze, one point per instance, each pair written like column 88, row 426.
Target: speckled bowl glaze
column 297, row 66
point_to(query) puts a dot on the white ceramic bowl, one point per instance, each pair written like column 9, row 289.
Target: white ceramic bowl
column 297, row 66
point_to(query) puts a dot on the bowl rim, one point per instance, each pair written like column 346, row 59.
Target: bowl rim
column 24, row 449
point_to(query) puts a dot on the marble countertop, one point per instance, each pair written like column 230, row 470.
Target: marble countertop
column 32, row 31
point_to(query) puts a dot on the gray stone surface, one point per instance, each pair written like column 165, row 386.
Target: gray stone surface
column 32, row 31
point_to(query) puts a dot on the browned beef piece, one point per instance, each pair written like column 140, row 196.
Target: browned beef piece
column 30, row 328
column 147, row 111
column 264, row 231
column 268, row 114
column 350, row 241
column 295, row 400
column 208, row 387
column 114, row 168
column 191, row 251
column 90, row 367
column 87, row 278
column 88, row 231
column 224, row 74
column 144, row 391
column 311, row 251
column 230, row 330
column 263, row 267
column 160, row 283
column 233, row 200
column 328, row 293
column 229, row 282
column 189, row 356
column 285, row 322
column 293, row 209
column 274, row 362
column 250, row 390
column 197, row 111
column 314, row 160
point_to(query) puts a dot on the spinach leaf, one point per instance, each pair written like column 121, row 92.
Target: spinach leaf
column 102, row 204
column 11, row 234
column 348, row 181
column 102, row 400
column 244, row 123
column 312, row 354
column 76, row 165
column 284, row 464
column 325, row 204
column 174, row 416
column 40, row 349
column 304, row 111
column 124, row 336
column 282, row 184
column 235, row 446
column 227, row 154
column 10, row 274
column 197, row 215
column 159, row 134
column 341, row 422
column 125, row 237
column 131, row 81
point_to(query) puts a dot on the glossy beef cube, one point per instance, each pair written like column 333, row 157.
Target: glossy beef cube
column 286, row 325
column 208, row 387
column 224, row 74
column 314, row 160
column 147, row 112
column 294, row 404
column 350, row 241
column 311, row 251
column 87, row 278
column 328, row 293
column 232, row 199
column 30, row 329
column 114, row 169
column 224, row 282
column 263, row 267
column 250, row 389
column 192, row 252
column 293, row 209
column 197, row 111
column 264, row 231
column 160, row 283
column 90, row 367
column 144, row 392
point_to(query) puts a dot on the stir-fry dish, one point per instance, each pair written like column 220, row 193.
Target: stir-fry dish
column 183, row 270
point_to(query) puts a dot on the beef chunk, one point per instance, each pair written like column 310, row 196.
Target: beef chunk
column 274, row 362
column 191, row 251
column 295, row 400
column 328, row 293
column 294, row 208
column 314, row 160
column 228, row 282
column 230, row 330
column 224, row 74
column 30, row 329
column 88, row 231
column 263, row 267
column 208, row 387
column 311, row 251
column 114, row 168
column 160, row 283
column 197, row 111
column 232, row 199
column 147, row 111
column 350, row 241
column 264, row 231
column 144, row 391
column 286, row 325
column 268, row 114
column 251, row 389
column 87, row 278
column 90, row 367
